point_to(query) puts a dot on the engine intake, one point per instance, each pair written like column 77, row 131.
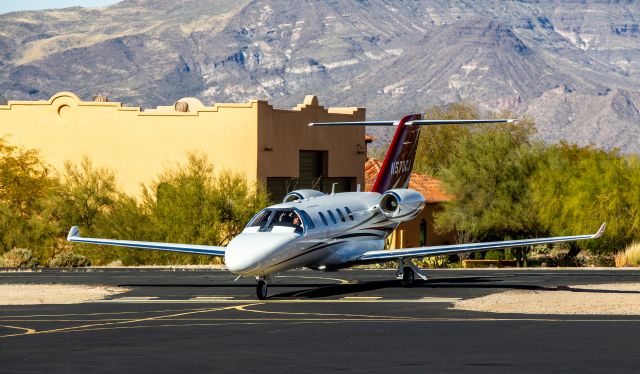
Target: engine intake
column 301, row 195
column 401, row 204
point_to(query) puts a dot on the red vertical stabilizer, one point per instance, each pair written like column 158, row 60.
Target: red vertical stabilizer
column 395, row 171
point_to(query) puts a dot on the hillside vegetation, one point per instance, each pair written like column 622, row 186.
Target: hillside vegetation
column 186, row 204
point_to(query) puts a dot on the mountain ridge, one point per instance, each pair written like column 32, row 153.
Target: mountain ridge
column 554, row 61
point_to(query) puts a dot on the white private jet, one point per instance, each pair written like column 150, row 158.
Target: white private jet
column 329, row 232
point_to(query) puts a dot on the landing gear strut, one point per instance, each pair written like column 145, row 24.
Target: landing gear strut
column 261, row 287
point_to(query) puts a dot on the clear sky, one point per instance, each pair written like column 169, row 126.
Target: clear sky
column 13, row 5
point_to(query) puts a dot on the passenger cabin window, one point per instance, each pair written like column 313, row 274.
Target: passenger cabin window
column 323, row 218
column 349, row 213
column 341, row 215
column 332, row 216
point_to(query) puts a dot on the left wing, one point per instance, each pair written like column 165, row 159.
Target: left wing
column 374, row 256
column 74, row 236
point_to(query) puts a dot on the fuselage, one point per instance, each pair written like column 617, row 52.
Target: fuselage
column 333, row 230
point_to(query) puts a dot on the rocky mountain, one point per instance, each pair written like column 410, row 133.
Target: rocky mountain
column 574, row 66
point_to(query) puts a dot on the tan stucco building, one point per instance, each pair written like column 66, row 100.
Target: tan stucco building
column 272, row 146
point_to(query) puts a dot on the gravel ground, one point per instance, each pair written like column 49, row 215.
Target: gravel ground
column 30, row 294
column 598, row 299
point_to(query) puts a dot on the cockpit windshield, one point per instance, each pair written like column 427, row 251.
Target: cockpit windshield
column 269, row 219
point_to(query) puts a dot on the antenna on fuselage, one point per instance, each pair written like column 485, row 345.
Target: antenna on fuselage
column 333, row 188
column 358, row 188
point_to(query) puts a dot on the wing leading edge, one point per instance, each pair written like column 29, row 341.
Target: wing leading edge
column 74, row 236
column 385, row 255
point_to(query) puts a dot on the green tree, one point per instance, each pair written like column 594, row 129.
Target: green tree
column 25, row 184
column 489, row 176
column 84, row 193
column 436, row 143
column 577, row 188
column 436, row 148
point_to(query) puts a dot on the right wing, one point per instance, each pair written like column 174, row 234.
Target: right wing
column 387, row 255
column 74, row 236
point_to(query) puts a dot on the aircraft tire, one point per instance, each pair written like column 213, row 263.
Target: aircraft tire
column 261, row 290
column 408, row 276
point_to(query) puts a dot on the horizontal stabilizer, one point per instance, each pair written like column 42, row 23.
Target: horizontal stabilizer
column 423, row 122
column 436, row 122
column 74, row 236
column 356, row 123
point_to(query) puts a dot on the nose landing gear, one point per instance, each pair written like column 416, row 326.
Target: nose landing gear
column 261, row 287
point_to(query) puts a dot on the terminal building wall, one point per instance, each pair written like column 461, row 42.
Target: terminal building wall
column 251, row 138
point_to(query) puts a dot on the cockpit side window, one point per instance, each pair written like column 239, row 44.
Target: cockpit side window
column 307, row 220
column 261, row 219
column 287, row 218
column 332, row 216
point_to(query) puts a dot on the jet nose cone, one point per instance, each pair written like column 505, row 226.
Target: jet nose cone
column 252, row 253
column 237, row 259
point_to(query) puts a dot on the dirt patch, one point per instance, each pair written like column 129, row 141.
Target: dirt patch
column 598, row 299
column 32, row 294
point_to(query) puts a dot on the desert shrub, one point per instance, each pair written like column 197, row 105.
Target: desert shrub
column 69, row 259
column 630, row 256
column 18, row 257
column 621, row 259
column 432, row 262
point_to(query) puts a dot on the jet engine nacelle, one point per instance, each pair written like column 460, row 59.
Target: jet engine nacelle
column 301, row 195
column 401, row 204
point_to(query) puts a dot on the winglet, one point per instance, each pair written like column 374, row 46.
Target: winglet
column 73, row 233
column 600, row 231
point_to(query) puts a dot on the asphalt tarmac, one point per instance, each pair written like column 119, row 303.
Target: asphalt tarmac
column 355, row 320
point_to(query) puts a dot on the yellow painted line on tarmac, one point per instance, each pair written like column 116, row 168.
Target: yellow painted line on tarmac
column 211, row 298
column 348, row 299
column 25, row 331
column 138, row 297
column 246, row 308
column 361, row 298
column 92, row 326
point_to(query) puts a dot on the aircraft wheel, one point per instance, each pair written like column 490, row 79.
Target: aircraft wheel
column 408, row 277
column 261, row 290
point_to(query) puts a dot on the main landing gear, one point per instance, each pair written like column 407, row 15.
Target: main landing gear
column 407, row 272
column 261, row 287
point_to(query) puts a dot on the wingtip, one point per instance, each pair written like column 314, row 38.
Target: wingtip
column 74, row 232
column 311, row 124
column 600, row 231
